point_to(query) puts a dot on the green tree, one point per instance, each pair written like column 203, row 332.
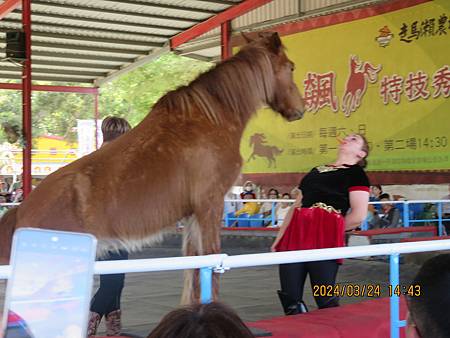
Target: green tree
column 131, row 96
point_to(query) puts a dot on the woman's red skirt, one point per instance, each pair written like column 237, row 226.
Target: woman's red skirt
column 313, row 228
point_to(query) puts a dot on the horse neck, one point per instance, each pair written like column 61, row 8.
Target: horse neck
column 239, row 86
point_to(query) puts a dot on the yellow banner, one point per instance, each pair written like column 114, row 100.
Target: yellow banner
column 386, row 76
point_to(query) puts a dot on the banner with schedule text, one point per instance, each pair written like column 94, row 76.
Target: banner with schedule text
column 386, row 76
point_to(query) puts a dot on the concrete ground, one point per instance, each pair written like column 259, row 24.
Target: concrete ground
column 147, row 297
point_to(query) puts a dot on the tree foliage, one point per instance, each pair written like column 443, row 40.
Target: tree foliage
column 131, row 96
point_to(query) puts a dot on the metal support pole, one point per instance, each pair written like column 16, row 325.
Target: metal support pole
column 225, row 35
column 26, row 99
column 394, row 283
column 406, row 214
column 440, row 216
column 206, row 285
column 96, row 118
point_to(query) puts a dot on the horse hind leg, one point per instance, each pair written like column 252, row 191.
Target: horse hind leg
column 7, row 227
column 201, row 237
column 192, row 246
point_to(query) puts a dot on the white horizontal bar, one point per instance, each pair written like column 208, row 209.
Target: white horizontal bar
column 239, row 261
column 333, row 253
column 158, row 264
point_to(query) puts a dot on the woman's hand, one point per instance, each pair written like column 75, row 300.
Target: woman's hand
column 272, row 248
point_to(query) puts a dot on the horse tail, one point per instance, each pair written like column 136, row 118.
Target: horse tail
column 192, row 246
column 7, row 227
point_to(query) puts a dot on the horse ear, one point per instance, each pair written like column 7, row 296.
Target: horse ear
column 275, row 42
column 246, row 37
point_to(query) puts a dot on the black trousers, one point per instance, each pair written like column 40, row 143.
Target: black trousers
column 293, row 276
column 107, row 297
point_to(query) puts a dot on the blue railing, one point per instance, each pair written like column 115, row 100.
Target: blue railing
column 410, row 211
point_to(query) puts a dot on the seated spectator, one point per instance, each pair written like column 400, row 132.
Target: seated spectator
column 375, row 192
column 295, row 192
column 446, row 212
column 429, row 212
column 282, row 209
column 428, row 307
column 249, row 186
column 3, row 208
column 250, row 208
column 213, row 320
column 390, row 217
column 266, row 207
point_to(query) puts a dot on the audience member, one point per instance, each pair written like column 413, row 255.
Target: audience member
column 249, row 208
column 106, row 301
column 213, row 320
column 283, row 208
column 266, row 207
column 3, row 208
column 446, row 212
column 390, row 217
column 428, row 306
column 295, row 192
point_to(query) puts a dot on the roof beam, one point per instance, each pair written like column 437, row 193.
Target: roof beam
column 82, row 38
column 43, row 26
column 47, row 78
column 95, row 8
column 82, row 65
column 47, row 88
column 84, row 48
column 37, row 13
column 65, row 55
column 215, row 21
column 220, row 2
column 8, row 6
column 37, row 70
column 167, row 6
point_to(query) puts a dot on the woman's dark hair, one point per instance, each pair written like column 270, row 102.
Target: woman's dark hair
column 273, row 190
column 429, row 308
column 202, row 321
column 113, row 127
column 286, row 194
column 365, row 147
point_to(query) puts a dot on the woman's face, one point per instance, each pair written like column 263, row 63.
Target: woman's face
column 272, row 194
column 353, row 145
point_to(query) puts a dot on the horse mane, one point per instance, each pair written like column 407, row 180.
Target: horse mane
column 231, row 91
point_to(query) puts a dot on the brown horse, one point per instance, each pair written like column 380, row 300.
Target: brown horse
column 178, row 163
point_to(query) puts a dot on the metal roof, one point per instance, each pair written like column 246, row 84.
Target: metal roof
column 85, row 41
column 93, row 41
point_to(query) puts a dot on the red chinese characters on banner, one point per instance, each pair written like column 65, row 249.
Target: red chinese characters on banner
column 391, row 88
column 441, row 82
column 320, row 91
column 320, row 88
column 416, row 86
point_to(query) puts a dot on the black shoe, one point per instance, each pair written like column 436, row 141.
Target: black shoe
column 291, row 306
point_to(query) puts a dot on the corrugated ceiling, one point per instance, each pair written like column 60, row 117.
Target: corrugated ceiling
column 90, row 41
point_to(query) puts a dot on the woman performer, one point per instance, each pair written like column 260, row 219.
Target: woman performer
column 319, row 218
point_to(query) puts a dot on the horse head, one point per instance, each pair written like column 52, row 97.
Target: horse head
column 257, row 138
column 285, row 97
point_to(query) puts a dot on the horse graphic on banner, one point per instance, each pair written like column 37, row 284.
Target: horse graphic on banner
column 258, row 141
column 356, row 86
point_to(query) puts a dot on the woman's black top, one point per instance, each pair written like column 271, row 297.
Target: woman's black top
column 331, row 185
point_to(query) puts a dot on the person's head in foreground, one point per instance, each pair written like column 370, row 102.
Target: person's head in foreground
column 213, row 320
column 428, row 315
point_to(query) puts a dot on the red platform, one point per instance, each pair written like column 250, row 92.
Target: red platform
column 368, row 319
